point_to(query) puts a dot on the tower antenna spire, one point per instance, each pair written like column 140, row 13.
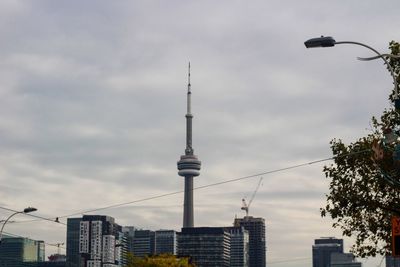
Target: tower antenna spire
column 189, row 92
column 188, row 165
column 189, row 77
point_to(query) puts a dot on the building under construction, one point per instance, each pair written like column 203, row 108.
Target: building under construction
column 257, row 244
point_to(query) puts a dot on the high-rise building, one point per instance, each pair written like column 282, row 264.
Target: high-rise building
column 257, row 243
column 188, row 165
column 239, row 247
column 93, row 240
column 323, row 248
column 206, row 246
column 20, row 251
column 97, row 240
column 73, row 230
column 166, row 242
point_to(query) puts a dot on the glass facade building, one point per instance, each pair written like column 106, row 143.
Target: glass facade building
column 344, row 260
column 73, row 229
column 239, row 247
column 206, row 246
column 143, row 243
column 20, row 251
column 323, row 248
column 166, row 242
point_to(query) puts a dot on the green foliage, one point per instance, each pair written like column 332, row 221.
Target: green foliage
column 161, row 260
column 361, row 201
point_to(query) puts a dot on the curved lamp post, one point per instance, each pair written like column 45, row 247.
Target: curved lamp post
column 26, row 210
column 329, row 42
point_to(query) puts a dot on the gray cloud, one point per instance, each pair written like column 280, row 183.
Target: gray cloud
column 93, row 103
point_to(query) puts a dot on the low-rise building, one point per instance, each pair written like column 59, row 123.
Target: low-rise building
column 166, row 242
column 19, row 251
column 206, row 246
column 344, row 260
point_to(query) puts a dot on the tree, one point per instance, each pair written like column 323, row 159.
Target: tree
column 158, row 261
column 364, row 191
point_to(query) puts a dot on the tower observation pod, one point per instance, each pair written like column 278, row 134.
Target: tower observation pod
column 188, row 165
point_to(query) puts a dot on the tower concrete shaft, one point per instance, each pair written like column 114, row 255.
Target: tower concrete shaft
column 188, row 165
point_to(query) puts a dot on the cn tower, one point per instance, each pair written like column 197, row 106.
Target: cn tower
column 188, row 165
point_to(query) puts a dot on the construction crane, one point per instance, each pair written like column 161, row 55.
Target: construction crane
column 246, row 206
column 58, row 247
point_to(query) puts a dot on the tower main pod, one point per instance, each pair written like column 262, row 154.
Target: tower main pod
column 188, row 165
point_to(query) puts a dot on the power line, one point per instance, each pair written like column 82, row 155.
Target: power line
column 288, row 260
column 216, row 184
column 55, row 219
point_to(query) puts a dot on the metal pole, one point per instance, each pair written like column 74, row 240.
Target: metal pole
column 382, row 56
column 9, row 217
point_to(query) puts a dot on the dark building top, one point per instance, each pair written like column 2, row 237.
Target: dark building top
column 203, row 230
column 323, row 248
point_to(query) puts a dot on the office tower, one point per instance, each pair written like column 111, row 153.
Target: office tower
column 257, row 243
column 188, row 165
column 20, row 251
column 343, row 260
column 143, row 243
column 93, row 240
column 323, row 248
column 166, row 242
column 206, row 246
column 73, row 229
column 239, row 246
column 97, row 240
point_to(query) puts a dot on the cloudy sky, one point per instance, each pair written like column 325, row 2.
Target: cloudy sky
column 93, row 102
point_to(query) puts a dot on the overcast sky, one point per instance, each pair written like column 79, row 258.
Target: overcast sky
column 93, row 98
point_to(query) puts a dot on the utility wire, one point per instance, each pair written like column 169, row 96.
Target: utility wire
column 288, row 260
column 195, row 188
column 35, row 216
column 216, row 184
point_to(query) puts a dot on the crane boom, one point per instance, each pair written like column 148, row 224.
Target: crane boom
column 255, row 191
column 246, row 206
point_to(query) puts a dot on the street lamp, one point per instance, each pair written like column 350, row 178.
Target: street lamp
column 329, row 42
column 26, row 210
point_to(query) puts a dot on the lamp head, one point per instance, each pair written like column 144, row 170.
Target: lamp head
column 320, row 42
column 29, row 209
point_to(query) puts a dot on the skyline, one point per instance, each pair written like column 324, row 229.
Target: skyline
column 93, row 97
